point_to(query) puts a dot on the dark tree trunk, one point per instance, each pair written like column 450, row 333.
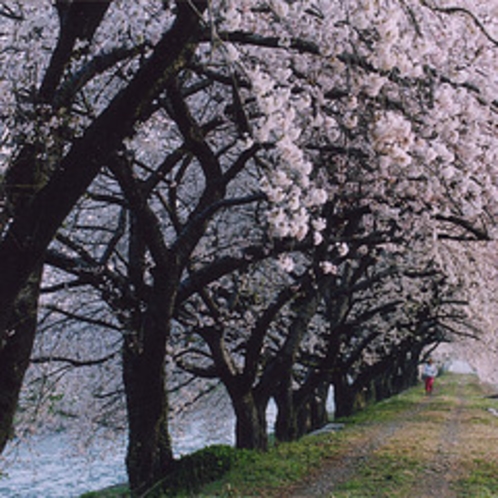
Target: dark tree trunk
column 344, row 396
column 250, row 425
column 22, row 180
column 286, row 422
column 249, row 403
column 304, row 418
column 15, row 353
column 291, row 403
column 29, row 234
column 412, row 363
column 298, row 415
column 317, row 408
column 301, row 411
column 21, row 276
column 149, row 455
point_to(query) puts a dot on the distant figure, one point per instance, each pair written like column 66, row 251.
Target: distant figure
column 429, row 373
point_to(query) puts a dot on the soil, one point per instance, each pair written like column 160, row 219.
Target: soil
column 449, row 441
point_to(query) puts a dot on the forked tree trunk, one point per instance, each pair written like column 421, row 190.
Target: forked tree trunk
column 291, row 405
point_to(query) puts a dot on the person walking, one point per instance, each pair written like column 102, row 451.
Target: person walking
column 429, row 373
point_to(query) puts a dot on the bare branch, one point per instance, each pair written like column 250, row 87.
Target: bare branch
column 478, row 233
column 462, row 10
column 84, row 319
column 74, row 362
column 8, row 12
column 244, row 38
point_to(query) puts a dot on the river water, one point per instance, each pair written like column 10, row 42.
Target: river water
column 52, row 466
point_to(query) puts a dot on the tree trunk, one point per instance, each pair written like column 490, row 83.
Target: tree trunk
column 15, row 353
column 288, row 402
column 286, row 422
column 149, row 455
column 297, row 417
column 29, row 234
column 317, row 408
column 310, row 404
column 250, row 425
column 343, row 396
column 18, row 319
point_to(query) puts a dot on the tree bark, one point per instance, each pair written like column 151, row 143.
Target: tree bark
column 32, row 228
column 250, row 425
column 316, row 408
column 149, row 454
column 16, row 352
column 344, row 396
column 286, row 423
column 290, row 404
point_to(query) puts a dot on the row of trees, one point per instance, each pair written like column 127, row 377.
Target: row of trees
column 248, row 192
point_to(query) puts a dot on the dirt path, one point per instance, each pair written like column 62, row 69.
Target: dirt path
column 440, row 470
column 344, row 467
column 432, row 447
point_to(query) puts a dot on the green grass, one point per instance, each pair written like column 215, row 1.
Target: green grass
column 383, row 476
column 481, row 482
column 279, row 467
column 112, row 492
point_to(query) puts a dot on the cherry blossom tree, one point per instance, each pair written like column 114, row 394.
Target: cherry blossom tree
column 301, row 95
column 475, row 266
column 53, row 174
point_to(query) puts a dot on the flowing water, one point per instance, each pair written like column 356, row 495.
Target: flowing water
column 52, row 466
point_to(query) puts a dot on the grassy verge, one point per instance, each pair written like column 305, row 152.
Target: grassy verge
column 395, row 468
column 112, row 492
